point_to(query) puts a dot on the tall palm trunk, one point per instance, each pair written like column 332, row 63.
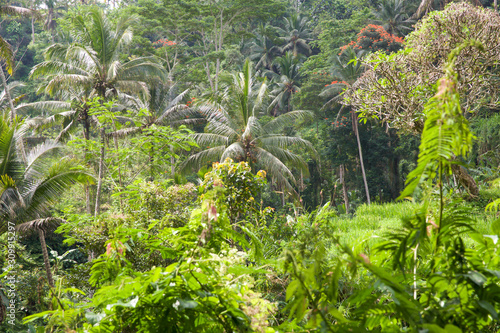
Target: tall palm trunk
column 7, row 94
column 172, row 162
column 32, row 23
column 355, row 125
column 86, row 135
column 41, row 235
column 101, row 174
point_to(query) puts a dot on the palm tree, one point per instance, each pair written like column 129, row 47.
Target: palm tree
column 92, row 62
column 164, row 108
column 348, row 68
column 6, row 53
column 393, row 16
column 287, row 81
column 42, row 226
column 28, row 189
column 12, row 93
column 296, row 34
column 263, row 50
column 91, row 66
column 234, row 131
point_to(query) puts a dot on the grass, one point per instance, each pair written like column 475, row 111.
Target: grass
column 369, row 221
column 362, row 230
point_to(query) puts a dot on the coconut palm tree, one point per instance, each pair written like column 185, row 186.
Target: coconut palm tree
column 286, row 81
column 393, row 16
column 6, row 53
column 164, row 107
column 296, row 34
column 92, row 62
column 234, row 131
column 347, row 68
column 91, row 66
column 263, row 50
column 42, row 226
column 28, row 189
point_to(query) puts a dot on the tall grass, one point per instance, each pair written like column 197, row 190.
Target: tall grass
column 363, row 229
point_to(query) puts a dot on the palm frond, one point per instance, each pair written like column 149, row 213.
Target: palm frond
column 139, row 68
column 40, row 194
column 221, row 129
column 235, row 151
column 35, row 166
column 44, row 106
column 252, row 130
column 200, row 159
column 7, row 55
column 287, row 119
column 46, row 224
column 275, row 168
column 287, row 157
column 10, row 162
column 207, row 139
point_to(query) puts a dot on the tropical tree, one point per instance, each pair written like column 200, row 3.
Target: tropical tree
column 296, row 34
column 263, row 50
column 92, row 62
column 42, row 226
column 393, row 16
column 6, row 53
column 235, row 131
column 286, row 81
column 91, row 67
column 11, row 93
column 163, row 107
column 347, row 68
column 28, row 189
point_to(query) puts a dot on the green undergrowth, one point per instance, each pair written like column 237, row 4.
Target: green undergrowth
column 370, row 222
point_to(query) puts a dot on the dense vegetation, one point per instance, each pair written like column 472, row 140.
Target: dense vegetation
column 249, row 166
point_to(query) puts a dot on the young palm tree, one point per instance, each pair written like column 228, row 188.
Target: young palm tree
column 348, row 68
column 164, row 108
column 296, row 34
column 28, row 189
column 234, row 131
column 286, row 81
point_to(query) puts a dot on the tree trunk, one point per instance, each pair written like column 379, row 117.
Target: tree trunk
column 32, row 24
column 172, row 162
column 465, row 180
column 344, row 188
column 46, row 261
column 9, row 98
column 151, row 162
column 101, row 175
column 355, row 125
column 86, row 135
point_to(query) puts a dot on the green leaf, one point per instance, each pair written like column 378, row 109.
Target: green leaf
column 292, row 287
column 488, row 307
column 477, row 278
column 452, row 329
column 495, row 227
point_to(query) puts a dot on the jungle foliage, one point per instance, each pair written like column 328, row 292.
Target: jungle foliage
column 249, row 166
